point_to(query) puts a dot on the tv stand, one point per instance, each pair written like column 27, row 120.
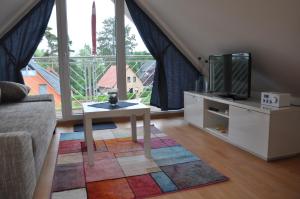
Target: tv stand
column 230, row 96
column 267, row 132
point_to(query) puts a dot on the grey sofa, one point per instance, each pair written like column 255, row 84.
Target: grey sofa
column 26, row 129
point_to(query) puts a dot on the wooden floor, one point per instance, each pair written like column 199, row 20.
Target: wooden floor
column 250, row 177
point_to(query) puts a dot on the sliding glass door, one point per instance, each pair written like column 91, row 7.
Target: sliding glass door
column 92, row 66
column 100, row 50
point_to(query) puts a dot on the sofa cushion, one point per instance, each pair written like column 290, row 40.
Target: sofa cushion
column 18, row 175
column 13, row 92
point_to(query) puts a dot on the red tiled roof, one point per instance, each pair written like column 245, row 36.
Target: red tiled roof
column 109, row 79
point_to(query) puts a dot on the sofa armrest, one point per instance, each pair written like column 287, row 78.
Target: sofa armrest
column 17, row 170
column 38, row 98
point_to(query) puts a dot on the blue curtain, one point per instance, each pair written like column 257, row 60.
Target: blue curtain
column 174, row 73
column 19, row 44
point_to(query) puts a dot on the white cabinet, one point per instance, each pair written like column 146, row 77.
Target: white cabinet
column 267, row 132
column 193, row 109
column 249, row 129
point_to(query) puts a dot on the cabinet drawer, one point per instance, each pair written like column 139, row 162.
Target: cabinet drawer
column 193, row 109
column 249, row 129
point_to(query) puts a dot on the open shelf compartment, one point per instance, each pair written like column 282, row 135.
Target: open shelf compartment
column 216, row 121
column 222, row 114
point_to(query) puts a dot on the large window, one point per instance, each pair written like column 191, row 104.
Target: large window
column 87, row 74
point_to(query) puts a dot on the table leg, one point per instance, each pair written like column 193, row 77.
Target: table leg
column 89, row 140
column 133, row 128
column 147, row 135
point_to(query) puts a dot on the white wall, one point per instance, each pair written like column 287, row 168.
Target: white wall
column 11, row 11
column 269, row 29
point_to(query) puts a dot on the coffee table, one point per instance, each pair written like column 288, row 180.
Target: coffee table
column 90, row 113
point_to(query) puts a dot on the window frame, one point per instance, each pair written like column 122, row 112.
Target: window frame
column 63, row 56
column 63, row 59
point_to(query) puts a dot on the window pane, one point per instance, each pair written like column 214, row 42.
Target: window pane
column 43, row 89
column 92, row 75
column 41, row 74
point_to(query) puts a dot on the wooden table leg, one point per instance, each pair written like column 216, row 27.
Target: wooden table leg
column 147, row 135
column 89, row 140
column 133, row 128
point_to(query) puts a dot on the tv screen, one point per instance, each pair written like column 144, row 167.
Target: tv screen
column 230, row 75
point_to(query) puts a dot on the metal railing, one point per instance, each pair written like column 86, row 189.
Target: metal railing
column 91, row 77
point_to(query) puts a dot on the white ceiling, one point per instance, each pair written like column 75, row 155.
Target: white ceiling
column 269, row 29
column 11, row 11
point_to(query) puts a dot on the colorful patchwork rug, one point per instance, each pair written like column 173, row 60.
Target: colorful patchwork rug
column 121, row 169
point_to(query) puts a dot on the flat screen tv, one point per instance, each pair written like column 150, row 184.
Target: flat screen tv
column 230, row 75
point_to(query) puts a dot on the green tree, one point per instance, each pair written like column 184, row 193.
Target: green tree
column 39, row 53
column 130, row 40
column 78, row 69
column 85, row 51
column 52, row 49
column 107, row 40
column 77, row 77
column 51, row 38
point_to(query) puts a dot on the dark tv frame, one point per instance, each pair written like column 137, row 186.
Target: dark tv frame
column 227, row 86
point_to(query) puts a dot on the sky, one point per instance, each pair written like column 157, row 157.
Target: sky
column 79, row 22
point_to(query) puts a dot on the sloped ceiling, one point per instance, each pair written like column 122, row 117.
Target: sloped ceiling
column 269, row 29
column 11, row 11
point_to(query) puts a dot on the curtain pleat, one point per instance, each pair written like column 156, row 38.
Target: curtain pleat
column 18, row 45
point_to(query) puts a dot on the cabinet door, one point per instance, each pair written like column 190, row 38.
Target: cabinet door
column 193, row 109
column 249, row 129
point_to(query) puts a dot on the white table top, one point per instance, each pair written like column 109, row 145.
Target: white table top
column 138, row 109
column 90, row 113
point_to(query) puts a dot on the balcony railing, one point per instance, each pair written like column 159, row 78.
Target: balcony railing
column 91, row 77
